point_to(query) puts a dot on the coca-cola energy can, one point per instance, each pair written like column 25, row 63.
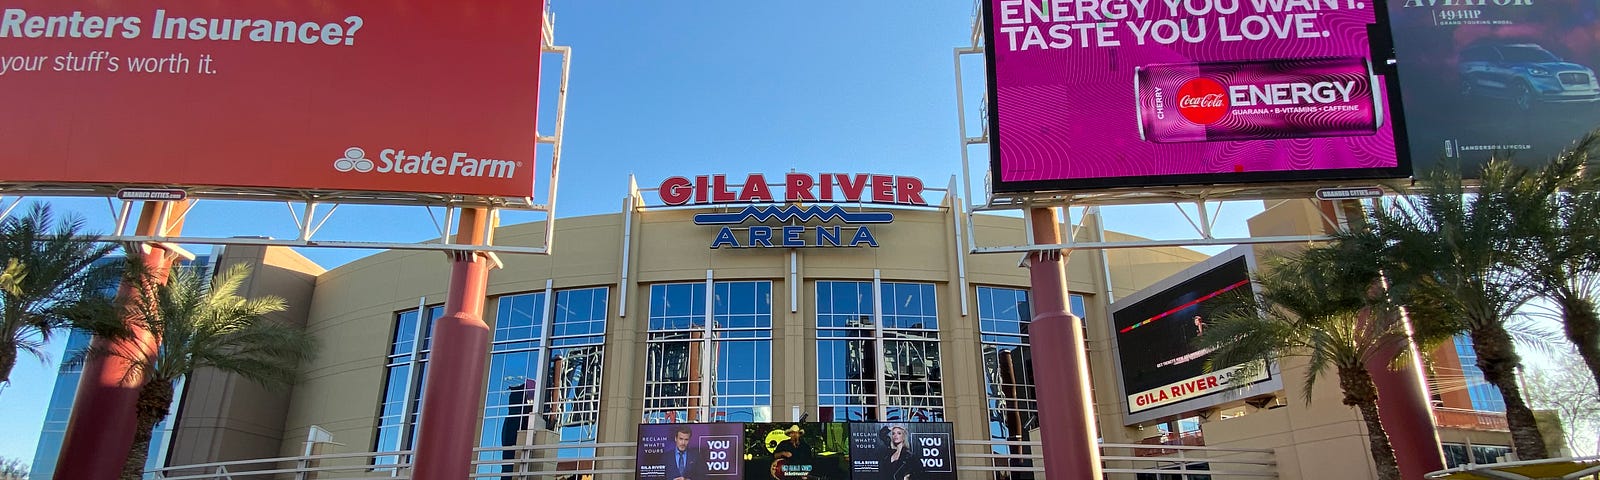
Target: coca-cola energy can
column 1260, row 100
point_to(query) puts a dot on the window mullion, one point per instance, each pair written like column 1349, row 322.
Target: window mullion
column 414, row 377
column 706, row 347
column 539, row 354
column 878, row 344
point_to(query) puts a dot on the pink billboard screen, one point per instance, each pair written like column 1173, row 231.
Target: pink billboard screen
column 1092, row 94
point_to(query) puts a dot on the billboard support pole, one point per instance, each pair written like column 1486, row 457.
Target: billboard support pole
column 1066, row 415
column 453, row 395
column 100, row 429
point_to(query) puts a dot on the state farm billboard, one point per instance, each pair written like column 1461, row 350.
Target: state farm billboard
column 1127, row 93
column 416, row 96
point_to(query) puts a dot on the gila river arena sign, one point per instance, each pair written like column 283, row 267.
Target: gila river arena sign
column 404, row 96
column 798, row 221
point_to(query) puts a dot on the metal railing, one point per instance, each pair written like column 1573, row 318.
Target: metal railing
column 1470, row 419
column 1123, row 460
column 1158, row 443
column 536, row 462
column 525, row 462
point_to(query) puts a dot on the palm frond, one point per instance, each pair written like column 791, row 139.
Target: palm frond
column 202, row 321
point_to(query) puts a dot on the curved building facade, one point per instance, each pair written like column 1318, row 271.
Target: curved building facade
column 634, row 318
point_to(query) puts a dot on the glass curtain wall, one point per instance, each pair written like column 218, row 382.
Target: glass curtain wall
column 404, row 375
column 571, row 353
column 856, row 382
column 1003, row 318
column 709, row 357
column 567, row 353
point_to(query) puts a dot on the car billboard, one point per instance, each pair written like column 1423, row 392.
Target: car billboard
column 1161, row 370
column 1486, row 77
column 1122, row 93
column 411, row 96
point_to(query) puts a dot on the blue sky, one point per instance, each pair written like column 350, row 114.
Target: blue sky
column 686, row 88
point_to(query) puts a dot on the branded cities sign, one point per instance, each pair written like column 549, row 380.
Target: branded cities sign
column 407, row 96
column 765, row 222
column 1123, row 93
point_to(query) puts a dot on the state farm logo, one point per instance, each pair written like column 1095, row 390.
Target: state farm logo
column 354, row 159
column 1202, row 101
column 397, row 161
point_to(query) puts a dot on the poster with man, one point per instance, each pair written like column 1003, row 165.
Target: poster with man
column 689, row 451
column 797, row 451
column 902, row 451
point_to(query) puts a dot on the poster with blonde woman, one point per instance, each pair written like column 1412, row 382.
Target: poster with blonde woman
column 902, row 451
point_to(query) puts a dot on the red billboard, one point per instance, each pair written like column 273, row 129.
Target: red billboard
column 416, row 96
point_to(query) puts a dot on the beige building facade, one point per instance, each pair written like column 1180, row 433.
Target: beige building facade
column 635, row 318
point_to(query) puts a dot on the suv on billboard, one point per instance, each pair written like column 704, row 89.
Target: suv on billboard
column 1524, row 73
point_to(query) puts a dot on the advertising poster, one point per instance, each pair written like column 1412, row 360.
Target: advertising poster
column 1155, row 333
column 690, row 451
column 1121, row 93
column 902, row 451
column 414, row 96
column 1484, row 76
column 797, row 451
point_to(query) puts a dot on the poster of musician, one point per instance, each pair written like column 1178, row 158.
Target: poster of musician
column 690, row 451
column 902, row 451
column 797, row 451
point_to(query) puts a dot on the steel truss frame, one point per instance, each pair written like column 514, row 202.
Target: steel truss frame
column 307, row 218
column 1199, row 196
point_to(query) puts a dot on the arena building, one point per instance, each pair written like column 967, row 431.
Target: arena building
column 704, row 302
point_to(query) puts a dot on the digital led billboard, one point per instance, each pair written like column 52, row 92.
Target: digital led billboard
column 1162, row 370
column 1480, row 77
column 673, row 451
column 797, row 451
column 1119, row 93
column 413, row 96
column 902, row 451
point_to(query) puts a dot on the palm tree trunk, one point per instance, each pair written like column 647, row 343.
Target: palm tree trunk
column 1498, row 359
column 1582, row 324
column 154, row 399
column 1360, row 392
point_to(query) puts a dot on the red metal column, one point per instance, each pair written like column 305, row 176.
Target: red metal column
column 100, row 429
column 452, row 403
column 1061, row 366
column 1406, row 411
column 1404, row 406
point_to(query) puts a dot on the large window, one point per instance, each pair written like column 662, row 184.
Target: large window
column 1485, row 396
column 1003, row 318
column 561, row 358
column 709, row 358
column 571, row 353
column 404, row 375
column 857, row 383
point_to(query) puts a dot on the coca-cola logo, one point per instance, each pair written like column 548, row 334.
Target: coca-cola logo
column 1202, row 101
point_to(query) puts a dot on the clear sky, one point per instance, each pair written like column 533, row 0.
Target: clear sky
column 686, row 88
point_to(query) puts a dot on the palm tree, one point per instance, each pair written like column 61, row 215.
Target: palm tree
column 48, row 266
column 1320, row 304
column 1562, row 253
column 200, row 323
column 1457, row 252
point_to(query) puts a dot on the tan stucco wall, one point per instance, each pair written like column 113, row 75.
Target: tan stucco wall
column 226, row 417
